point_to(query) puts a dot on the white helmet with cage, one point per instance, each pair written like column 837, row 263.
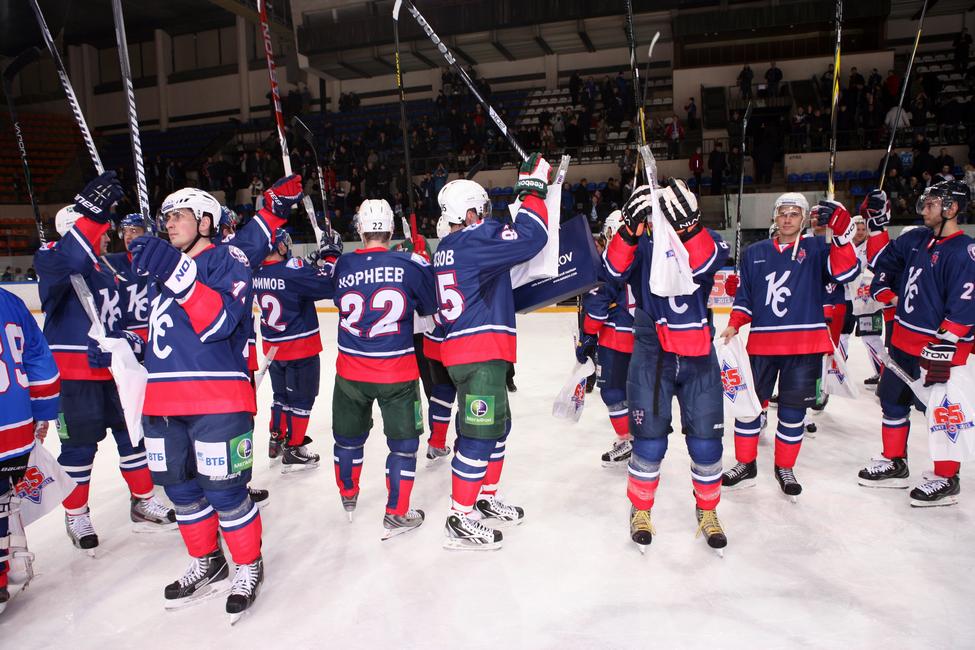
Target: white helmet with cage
column 65, row 218
column 198, row 202
column 791, row 199
column 459, row 196
column 374, row 215
column 612, row 224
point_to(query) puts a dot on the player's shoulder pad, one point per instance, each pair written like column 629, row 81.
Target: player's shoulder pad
column 237, row 255
column 419, row 260
column 295, row 263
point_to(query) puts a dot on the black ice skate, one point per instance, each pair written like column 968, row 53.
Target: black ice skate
column 619, row 454
column 742, row 475
column 274, row 445
column 436, row 453
column 258, row 496
column 297, row 458
column 936, row 491
column 81, row 532
column 465, row 533
column 811, row 427
column 243, row 592
column 871, row 381
column 709, row 524
column 205, row 578
column 151, row 516
column 641, row 528
column 394, row 525
column 787, row 481
column 885, row 473
column 496, row 512
column 348, row 504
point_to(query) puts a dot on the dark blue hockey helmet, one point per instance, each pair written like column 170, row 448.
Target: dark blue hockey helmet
column 228, row 221
column 136, row 220
column 281, row 236
column 950, row 192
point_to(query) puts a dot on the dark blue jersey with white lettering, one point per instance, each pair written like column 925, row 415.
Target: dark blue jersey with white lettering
column 133, row 292
column 286, row 292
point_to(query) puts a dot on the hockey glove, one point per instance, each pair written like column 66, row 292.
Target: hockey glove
column 98, row 358
column 876, row 210
column 282, row 196
column 679, row 206
column 586, row 347
column 164, row 262
column 936, row 360
column 731, row 285
column 636, row 214
column 98, row 197
column 533, row 177
column 840, row 223
column 134, row 340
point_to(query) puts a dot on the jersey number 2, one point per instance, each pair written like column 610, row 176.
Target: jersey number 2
column 14, row 339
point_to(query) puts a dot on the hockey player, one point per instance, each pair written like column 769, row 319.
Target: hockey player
column 672, row 356
column 286, row 290
column 935, row 271
column 442, row 392
column 867, row 314
column 200, row 404
column 89, row 398
column 131, row 286
column 377, row 292
column 607, row 329
column 472, row 266
column 781, row 293
column 29, row 388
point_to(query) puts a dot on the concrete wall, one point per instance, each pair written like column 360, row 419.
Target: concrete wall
column 857, row 160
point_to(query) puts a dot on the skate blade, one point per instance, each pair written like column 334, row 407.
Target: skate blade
column 297, row 469
column 946, row 501
column 262, row 504
column 719, row 552
column 234, row 618
column 435, row 462
column 389, row 533
column 13, row 589
column 641, row 547
column 452, row 544
column 148, row 527
column 208, row 592
column 743, row 485
column 93, row 553
column 610, row 464
column 794, row 498
column 891, row 483
column 502, row 523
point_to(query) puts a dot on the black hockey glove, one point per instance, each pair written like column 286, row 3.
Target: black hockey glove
column 164, row 262
column 875, row 209
column 679, row 206
column 936, row 360
column 586, row 347
column 98, row 197
column 636, row 214
column 533, row 177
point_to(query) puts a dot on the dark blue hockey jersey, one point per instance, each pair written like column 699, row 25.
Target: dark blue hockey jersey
column 608, row 314
column 377, row 291
column 286, row 292
column 472, row 268
column 29, row 380
column 682, row 322
column 133, row 292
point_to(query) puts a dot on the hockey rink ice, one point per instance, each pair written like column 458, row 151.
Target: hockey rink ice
column 845, row 567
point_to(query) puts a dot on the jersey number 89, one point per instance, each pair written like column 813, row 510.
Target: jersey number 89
column 14, row 339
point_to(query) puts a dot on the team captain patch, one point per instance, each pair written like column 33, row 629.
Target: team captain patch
column 238, row 255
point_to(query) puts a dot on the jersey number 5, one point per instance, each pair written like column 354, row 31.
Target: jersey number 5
column 14, row 339
column 451, row 300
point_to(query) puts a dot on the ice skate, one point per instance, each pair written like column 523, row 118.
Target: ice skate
column 151, row 516
column 619, row 454
column 274, row 444
column 9, row 592
column 871, row 382
column 247, row 582
column 297, row 458
column 885, row 473
column 819, row 406
column 434, row 454
column 258, row 496
column 641, row 528
column 496, row 512
column 709, row 524
column 465, row 533
column 811, row 428
column 936, row 491
column 205, row 578
column 394, row 525
column 348, row 504
column 81, row 532
column 740, row 476
column 787, row 481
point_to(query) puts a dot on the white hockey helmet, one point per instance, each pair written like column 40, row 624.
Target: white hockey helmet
column 791, row 199
column 459, row 196
column 198, row 202
column 64, row 219
column 374, row 215
column 612, row 224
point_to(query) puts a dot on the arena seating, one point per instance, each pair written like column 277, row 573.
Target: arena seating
column 52, row 142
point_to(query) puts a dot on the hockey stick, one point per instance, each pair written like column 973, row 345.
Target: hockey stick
column 259, row 375
column 452, row 61
column 141, row 187
column 279, row 116
column 922, row 392
column 13, row 68
column 646, row 82
column 403, row 124
column 834, row 114
column 79, row 117
column 900, row 102
column 741, row 185
column 309, row 137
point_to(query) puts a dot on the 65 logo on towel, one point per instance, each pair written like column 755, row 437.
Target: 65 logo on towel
column 951, row 419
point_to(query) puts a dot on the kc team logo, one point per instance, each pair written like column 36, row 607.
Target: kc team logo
column 950, row 419
column 732, row 381
column 31, row 485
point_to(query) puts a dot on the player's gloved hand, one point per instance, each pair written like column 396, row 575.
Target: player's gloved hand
column 731, row 285
column 936, row 360
column 585, row 347
column 876, row 210
column 98, row 358
column 134, row 340
column 679, row 206
column 420, row 246
column 533, row 177
column 836, row 216
column 282, row 196
column 164, row 262
column 636, row 214
column 40, row 429
column 99, row 195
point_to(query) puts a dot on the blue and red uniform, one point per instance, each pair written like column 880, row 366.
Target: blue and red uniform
column 443, row 392
column 133, row 293
column 672, row 356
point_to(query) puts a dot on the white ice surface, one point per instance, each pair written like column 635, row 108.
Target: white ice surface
column 846, row 567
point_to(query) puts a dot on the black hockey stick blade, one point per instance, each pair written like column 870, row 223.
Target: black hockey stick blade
column 22, row 60
column 472, row 172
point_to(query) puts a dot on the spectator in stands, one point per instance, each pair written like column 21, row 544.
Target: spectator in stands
column 734, row 162
column 962, row 45
column 8, row 275
column 575, row 87
column 819, row 130
column 582, row 200
column 256, row 189
column 30, row 275
column 945, row 160
column 691, row 109
column 745, row 82
column 573, row 137
column 856, row 79
column 674, row 134
column 612, row 193
column 18, row 275
column 773, row 77
column 717, row 165
column 874, row 81
column 800, row 129
column 892, row 87
column 826, row 81
column 696, row 166
column 599, row 211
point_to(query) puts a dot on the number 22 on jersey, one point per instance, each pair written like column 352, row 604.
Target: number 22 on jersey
column 358, row 313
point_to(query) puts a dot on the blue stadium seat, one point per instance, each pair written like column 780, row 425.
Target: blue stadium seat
column 865, row 175
column 793, row 179
column 706, row 181
column 692, row 183
column 508, row 191
column 856, row 190
column 749, row 180
column 849, row 176
column 576, row 186
column 808, row 177
column 601, row 186
column 821, row 177
column 591, row 187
